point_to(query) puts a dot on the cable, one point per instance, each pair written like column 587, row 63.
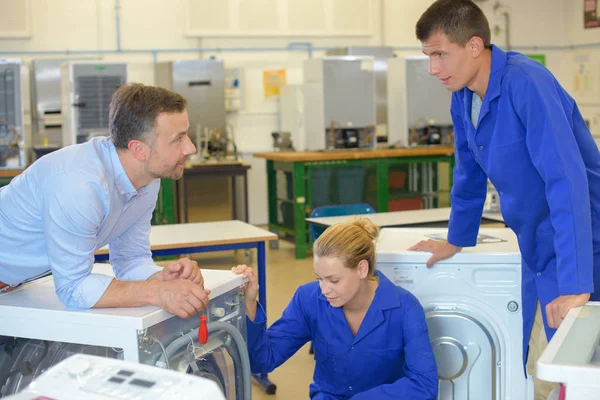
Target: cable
column 155, row 340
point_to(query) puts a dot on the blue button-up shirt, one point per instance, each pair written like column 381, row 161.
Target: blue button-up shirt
column 389, row 358
column 533, row 144
column 66, row 205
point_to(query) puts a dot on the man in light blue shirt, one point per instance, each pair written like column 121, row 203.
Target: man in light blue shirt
column 68, row 204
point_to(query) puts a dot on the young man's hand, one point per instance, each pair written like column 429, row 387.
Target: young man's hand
column 440, row 250
column 558, row 309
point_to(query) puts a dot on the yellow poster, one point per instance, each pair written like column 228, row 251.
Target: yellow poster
column 272, row 81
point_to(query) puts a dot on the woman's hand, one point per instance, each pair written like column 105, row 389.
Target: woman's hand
column 250, row 290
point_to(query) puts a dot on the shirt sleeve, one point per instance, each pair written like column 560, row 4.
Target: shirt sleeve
column 469, row 187
column 421, row 379
column 556, row 156
column 269, row 348
column 130, row 254
column 73, row 207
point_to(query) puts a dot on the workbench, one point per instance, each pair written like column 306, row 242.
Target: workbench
column 436, row 217
column 300, row 168
column 6, row 175
column 172, row 205
column 232, row 170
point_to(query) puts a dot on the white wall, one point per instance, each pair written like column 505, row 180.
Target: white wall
column 546, row 29
column 586, row 57
column 537, row 26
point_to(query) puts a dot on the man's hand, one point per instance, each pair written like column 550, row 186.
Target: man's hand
column 182, row 297
column 184, row 268
column 558, row 309
column 440, row 250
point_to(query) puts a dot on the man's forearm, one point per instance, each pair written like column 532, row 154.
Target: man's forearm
column 130, row 294
column 157, row 276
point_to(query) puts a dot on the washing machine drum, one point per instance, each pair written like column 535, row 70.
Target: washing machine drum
column 216, row 365
column 208, row 370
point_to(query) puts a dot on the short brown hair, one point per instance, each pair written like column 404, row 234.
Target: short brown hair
column 133, row 111
column 351, row 242
column 459, row 20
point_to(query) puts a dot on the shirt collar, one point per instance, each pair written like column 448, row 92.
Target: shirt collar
column 386, row 296
column 494, row 88
column 498, row 64
column 122, row 182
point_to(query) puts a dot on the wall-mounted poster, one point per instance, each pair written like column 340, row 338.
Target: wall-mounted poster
column 591, row 14
column 272, row 81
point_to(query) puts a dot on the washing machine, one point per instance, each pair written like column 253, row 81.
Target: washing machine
column 472, row 303
column 47, row 333
column 82, row 376
column 573, row 354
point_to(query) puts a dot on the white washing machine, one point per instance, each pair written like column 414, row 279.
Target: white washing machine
column 82, row 376
column 573, row 354
column 47, row 333
column 472, row 303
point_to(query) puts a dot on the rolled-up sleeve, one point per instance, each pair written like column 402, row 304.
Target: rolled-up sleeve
column 71, row 220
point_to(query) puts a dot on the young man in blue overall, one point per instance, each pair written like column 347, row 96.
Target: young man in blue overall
column 516, row 125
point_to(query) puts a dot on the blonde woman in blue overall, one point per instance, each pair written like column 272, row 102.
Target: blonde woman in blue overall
column 370, row 337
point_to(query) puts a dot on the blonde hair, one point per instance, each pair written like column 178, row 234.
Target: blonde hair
column 351, row 242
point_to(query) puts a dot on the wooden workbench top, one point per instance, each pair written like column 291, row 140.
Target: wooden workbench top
column 302, row 156
column 177, row 236
column 197, row 164
column 9, row 173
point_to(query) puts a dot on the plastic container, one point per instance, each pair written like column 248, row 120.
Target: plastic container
column 286, row 215
column 321, row 187
column 397, row 179
column 351, row 184
column 404, row 204
column 285, row 185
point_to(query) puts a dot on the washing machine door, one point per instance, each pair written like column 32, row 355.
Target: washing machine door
column 25, row 359
column 466, row 353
